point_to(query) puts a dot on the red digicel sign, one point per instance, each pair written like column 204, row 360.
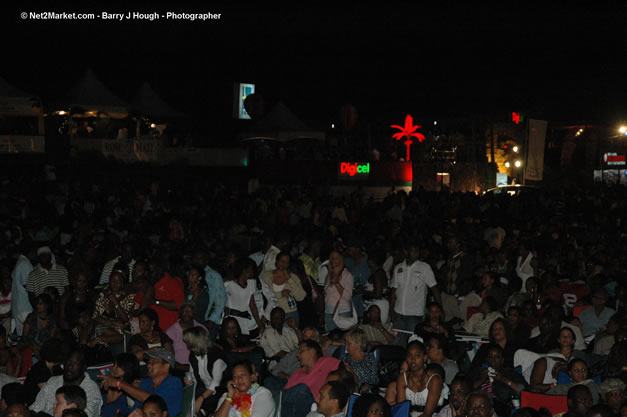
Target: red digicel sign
column 354, row 169
column 612, row 158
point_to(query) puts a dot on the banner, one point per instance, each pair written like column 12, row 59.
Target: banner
column 132, row 150
column 22, row 144
column 535, row 150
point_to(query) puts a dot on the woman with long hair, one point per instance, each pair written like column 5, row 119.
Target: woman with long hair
column 150, row 336
column 421, row 388
column 125, row 367
column 286, row 286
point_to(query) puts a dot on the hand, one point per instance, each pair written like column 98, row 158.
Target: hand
column 404, row 366
column 285, row 292
column 231, row 390
column 112, row 298
column 292, row 323
column 556, row 369
column 137, row 413
column 107, row 381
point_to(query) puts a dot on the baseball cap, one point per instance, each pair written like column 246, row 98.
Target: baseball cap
column 162, row 354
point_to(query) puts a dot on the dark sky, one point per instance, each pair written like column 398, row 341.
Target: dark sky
column 554, row 62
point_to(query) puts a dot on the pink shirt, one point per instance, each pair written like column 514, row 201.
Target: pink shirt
column 332, row 294
column 317, row 377
column 175, row 332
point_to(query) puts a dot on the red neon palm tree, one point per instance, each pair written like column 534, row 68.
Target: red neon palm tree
column 407, row 132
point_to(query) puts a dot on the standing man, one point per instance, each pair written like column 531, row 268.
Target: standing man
column 126, row 258
column 217, row 294
column 356, row 261
column 46, row 274
column 20, row 304
column 409, row 291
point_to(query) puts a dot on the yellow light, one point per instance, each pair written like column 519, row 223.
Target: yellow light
column 518, row 164
column 62, row 112
column 507, row 164
column 152, row 125
column 622, row 129
column 515, row 148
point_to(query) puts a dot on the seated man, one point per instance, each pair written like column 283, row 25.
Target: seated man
column 304, row 384
column 612, row 393
column 500, row 382
column 332, row 399
column 579, row 400
column 74, row 373
column 280, row 339
column 596, row 318
column 479, row 404
column 459, row 390
column 159, row 382
column 69, row 396
column 479, row 323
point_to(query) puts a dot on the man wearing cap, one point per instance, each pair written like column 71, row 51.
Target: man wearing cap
column 159, row 382
column 612, row 392
column 46, row 274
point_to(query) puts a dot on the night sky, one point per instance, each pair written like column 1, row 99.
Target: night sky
column 557, row 63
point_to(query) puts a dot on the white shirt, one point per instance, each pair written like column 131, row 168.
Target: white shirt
column 46, row 397
column 238, row 298
column 524, row 269
column 269, row 259
column 411, row 284
column 272, row 342
column 214, row 379
column 262, row 404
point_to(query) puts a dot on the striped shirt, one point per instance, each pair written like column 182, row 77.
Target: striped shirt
column 108, row 268
column 40, row 278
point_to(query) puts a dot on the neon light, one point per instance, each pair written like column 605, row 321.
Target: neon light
column 517, row 118
column 353, row 168
column 407, row 132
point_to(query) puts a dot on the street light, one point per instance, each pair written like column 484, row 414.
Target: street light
column 507, row 165
column 518, row 164
column 623, row 130
column 515, row 149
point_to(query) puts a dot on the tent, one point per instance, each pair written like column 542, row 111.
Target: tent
column 282, row 125
column 147, row 103
column 17, row 102
column 89, row 96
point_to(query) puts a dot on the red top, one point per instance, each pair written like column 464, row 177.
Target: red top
column 168, row 288
column 317, row 377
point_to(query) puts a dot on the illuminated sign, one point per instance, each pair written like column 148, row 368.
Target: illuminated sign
column 612, row 158
column 354, row 170
column 242, row 90
column 517, row 118
column 407, row 132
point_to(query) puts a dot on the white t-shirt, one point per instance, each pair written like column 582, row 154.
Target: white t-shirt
column 238, row 298
column 411, row 284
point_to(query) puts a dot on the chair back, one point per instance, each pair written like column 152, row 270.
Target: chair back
column 401, row 410
column 187, row 406
column 554, row 403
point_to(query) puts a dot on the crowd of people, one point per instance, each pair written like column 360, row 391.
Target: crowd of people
column 288, row 301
